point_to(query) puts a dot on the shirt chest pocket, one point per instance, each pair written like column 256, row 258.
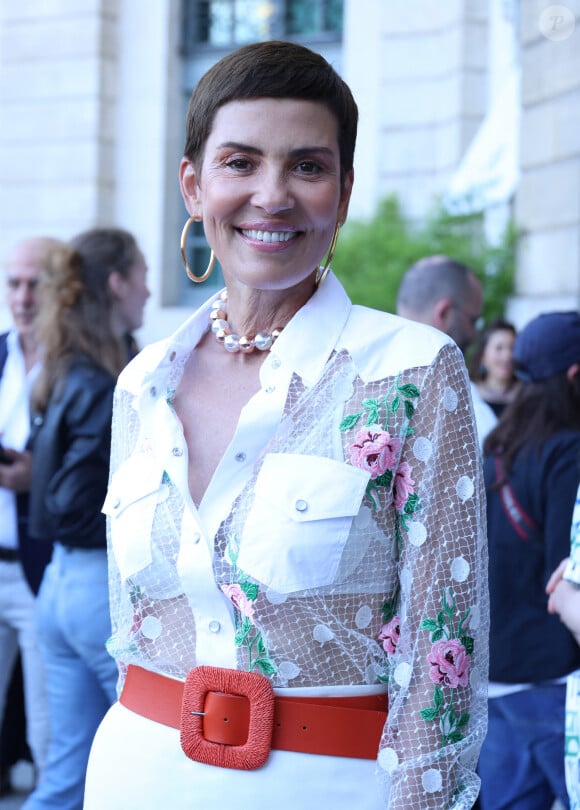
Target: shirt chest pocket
column 300, row 520
column 134, row 492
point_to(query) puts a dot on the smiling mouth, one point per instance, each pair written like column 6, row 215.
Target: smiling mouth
column 270, row 236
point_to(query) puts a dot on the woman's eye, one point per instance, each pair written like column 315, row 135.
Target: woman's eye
column 308, row 167
column 239, row 164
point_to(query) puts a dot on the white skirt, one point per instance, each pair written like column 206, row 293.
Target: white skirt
column 137, row 764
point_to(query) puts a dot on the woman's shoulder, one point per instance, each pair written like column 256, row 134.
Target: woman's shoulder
column 391, row 342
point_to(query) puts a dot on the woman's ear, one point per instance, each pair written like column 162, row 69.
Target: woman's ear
column 116, row 284
column 190, row 190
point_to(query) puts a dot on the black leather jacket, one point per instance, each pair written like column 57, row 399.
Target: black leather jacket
column 71, row 445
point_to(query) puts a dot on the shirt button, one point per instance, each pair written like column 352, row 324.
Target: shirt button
column 276, row 362
column 177, row 451
column 172, row 356
column 214, row 626
column 301, row 505
column 153, row 391
column 196, row 538
column 240, row 457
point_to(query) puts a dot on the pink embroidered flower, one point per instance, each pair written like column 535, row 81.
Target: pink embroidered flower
column 240, row 600
column 449, row 663
column 403, row 485
column 374, row 450
column 390, row 634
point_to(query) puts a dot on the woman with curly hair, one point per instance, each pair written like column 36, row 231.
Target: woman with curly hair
column 92, row 298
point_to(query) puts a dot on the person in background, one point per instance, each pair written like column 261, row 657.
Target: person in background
column 21, row 562
column 446, row 294
column 532, row 475
column 284, row 469
column 492, row 366
column 92, row 297
column 563, row 591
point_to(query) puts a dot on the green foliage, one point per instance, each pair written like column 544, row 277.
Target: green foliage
column 371, row 257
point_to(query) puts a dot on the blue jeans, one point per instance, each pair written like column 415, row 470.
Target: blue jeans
column 74, row 624
column 521, row 763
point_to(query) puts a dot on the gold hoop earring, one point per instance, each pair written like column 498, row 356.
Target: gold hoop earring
column 324, row 271
column 188, row 270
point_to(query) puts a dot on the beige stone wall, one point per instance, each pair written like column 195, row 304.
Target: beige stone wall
column 419, row 71
column 547, row 204
column 91, row 130
column 57, row 112
column 91, row 126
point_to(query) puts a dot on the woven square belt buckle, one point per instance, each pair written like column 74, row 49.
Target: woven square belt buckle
column 227, row 717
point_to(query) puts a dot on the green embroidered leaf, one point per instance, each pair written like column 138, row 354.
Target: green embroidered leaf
column 438, row 697
column 350, row 421
column 266, row 666
column 389, row 608
column 467, row 642
column 455, row 737
column 463, row 622
column 372, row 406
column 250, row 589
column 412, row 504
column 394, row 407
column 409, row 390
column 373, row 494
column 385, row 479
column 463, row 720
column 438, row 635
column 240, row 636
column 429, row 624
column 409, row 409
column 441, row 619
column 243, row 631
column 429, row 714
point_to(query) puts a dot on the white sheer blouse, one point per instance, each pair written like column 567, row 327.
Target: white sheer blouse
column 340, row 545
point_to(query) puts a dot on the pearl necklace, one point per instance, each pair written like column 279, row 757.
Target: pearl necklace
column 231, row 342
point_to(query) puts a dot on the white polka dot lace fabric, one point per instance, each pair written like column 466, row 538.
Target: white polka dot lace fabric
column 353, row 554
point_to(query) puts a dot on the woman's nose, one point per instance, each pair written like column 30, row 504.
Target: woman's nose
column 273, row 194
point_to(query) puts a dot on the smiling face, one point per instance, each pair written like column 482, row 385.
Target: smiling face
column 269, row 190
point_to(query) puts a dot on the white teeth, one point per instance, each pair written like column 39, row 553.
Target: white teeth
column 270, row 236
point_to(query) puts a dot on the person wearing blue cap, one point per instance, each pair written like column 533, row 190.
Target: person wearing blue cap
column 532, row 473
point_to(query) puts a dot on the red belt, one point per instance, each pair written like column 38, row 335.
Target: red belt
column 232, row 719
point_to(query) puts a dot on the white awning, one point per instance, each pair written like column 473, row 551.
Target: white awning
column 489, row 171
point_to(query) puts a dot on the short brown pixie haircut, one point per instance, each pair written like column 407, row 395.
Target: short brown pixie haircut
column 272, row 69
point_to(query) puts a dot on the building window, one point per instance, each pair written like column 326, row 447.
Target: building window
column 229, row 23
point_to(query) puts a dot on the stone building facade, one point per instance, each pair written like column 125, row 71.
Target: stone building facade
column 93, row 95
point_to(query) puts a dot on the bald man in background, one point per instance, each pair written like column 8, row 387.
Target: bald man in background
column 446, row 294
column 22, row 561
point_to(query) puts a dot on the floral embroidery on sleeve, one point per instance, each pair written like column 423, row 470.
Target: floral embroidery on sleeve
column 376, row 451
column 449, row 661
column 243, row 593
